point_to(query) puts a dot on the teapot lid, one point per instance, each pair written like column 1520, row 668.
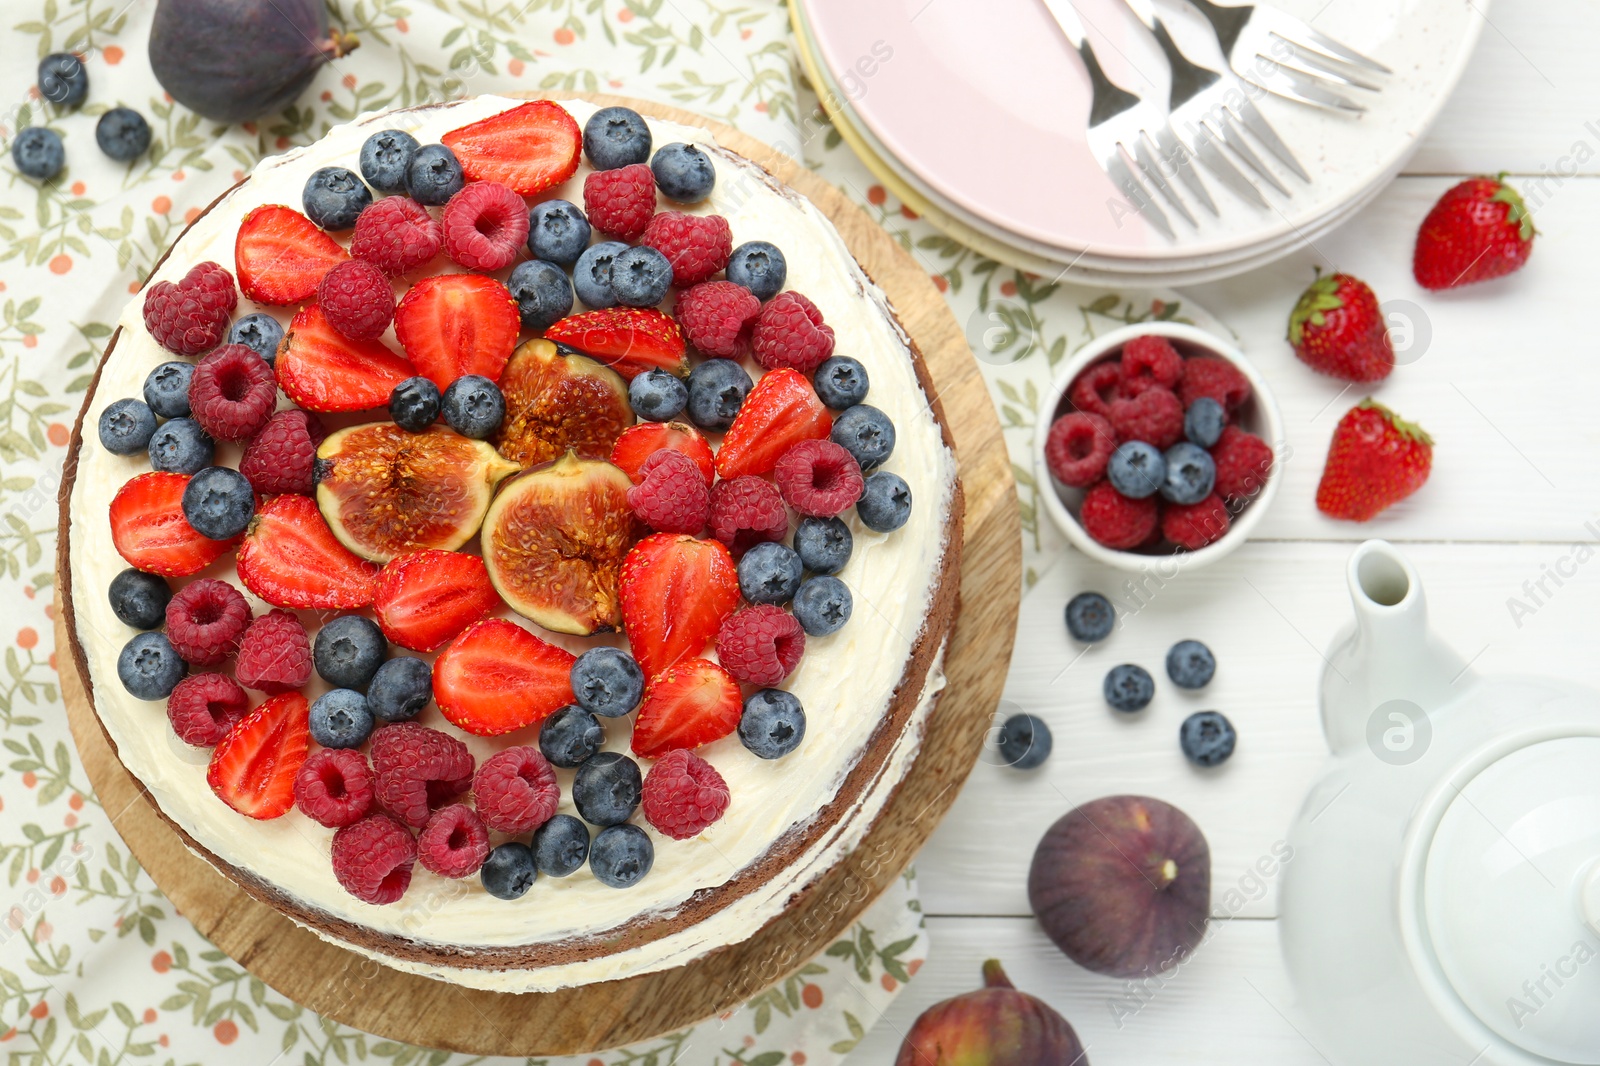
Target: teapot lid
column 1511, row 897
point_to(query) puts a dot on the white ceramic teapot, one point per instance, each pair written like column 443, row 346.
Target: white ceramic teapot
column 1442, row 907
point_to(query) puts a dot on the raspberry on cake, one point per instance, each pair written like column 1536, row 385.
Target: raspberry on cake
column 396, row 235
column 335, row 787
column 697, row 246
column 204, row 707
column 233, row 393
column 671, row 496
column 205, row 620
column 516, row 790
column 621, row 202
column 717, row 317
column 191, row 316
column 683, row 795
column 790, row 332
column 282, row 456
column 485, row 226
column 372, row 859
column 746, row 511
column 416, row 770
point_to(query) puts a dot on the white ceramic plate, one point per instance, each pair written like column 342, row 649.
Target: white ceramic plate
column 986, row 107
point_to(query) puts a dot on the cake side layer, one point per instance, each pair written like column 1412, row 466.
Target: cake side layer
column 441, row 921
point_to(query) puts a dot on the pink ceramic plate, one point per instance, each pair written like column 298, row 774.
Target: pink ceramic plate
column 986, row 105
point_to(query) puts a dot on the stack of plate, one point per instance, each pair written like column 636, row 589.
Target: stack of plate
column 974, row 115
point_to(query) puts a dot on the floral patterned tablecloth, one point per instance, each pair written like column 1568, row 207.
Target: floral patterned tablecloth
column 95, row 965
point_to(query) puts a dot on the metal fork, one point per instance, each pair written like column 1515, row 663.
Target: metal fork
column 1279, row 53
column 1120, row 122
column 1199, row 104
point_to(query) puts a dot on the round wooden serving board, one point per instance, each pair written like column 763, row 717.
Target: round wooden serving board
column 355, row 990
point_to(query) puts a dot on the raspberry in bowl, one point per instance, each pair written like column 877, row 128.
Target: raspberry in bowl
column 1161, row 440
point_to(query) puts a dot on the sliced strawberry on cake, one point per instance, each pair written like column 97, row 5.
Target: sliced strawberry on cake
column 781, row 410
column 530, row 148
column 253, row 768
column 150, row 531
column 320, row 369
column 290, row 558
column 280, row 255
column 676, row 591
column 687, row 706
column 630, row 340
column 638, row 443
column 427, row 598
column 456, row 324
column 496, row 677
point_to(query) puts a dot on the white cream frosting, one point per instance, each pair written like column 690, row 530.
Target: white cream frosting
column 845, row 681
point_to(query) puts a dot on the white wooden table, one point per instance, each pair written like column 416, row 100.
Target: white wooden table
column 1509, row 386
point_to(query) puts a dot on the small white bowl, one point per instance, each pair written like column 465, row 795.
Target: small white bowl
column 1259, row 415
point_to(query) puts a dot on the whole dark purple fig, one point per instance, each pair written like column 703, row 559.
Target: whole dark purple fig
column 235, row 60
column 1123, row 885
column 994, row 1026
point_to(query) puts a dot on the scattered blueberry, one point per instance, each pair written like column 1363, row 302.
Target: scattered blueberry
column 759, row 267
column 180, row 446
column 558, row 232
column 770, row 573
column 126, row 427
column 259, row 332
column 591, row 278
column 616, row 137
column 38, row 153
column 571, row 736
column 717, row 388
column 683, row 172
column 1136, row 469
column 1190, row 473
column 385, row 157
column 607, row 681
column 885, row 502
column 822, row 605
column 640, row 276
column 1204, row 421
column 1090, row 617
column 340, row 719
column 1129, row 688
column 621, row 855
column 773, row 723
column 334, row 196
column 140, row 599
column 63, row 79
column 400, row 689
column 606, row 788
column 841, row 382
column 473, row 406
column 542, row 291
column 509, row 871
column 1190, row 664
column 123, row 134
column 166, row 389
column 414, row 404
column 657, row 396
column 561, row 846
column 866, row 433
column 1207, row 738
column 149, row 667
column 824, row 544
column 348, row 651
column 219, row 502
column 433, row 175
column 1024, row 741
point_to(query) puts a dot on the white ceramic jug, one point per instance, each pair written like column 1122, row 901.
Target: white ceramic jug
column 1443, row 904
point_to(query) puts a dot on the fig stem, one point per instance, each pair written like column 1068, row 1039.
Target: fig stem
column 1168, row 872
column 994, row 976
column 339, row 44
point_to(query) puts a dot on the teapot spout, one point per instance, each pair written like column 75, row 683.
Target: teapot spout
column 1387, row 674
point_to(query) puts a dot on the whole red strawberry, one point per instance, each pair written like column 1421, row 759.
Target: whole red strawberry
column 1479, row 229
column 1375, row 460
column 1337, row 328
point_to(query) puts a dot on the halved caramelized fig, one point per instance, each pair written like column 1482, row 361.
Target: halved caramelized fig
column 559, row 400
column 554, row 540
column 386, row 492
